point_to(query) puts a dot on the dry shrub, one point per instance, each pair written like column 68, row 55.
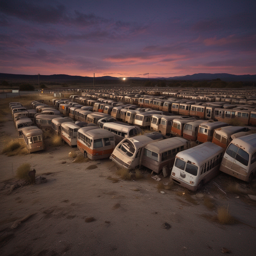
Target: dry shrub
column 22, row 172
column 138, row 174
column 72, row 154
column 124, row 174
column 80, row 159
column 208, row 202
column 56, row 141
column 224, row 217
column 160, row 186
column 11, row 146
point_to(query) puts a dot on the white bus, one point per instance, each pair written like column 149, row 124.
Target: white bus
column 196, row 166
column 69, row 133
column 240, row 158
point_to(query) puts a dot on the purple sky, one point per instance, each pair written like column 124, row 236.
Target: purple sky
column 127, row 38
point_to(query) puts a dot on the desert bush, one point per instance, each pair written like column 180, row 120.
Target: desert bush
column 22, row 172
column 138, row 174
column 72, row 154
column 80, row 159
column 56, row 141
column 124, row 174
column 208, row 202
column 11, row 146
column 224, row 216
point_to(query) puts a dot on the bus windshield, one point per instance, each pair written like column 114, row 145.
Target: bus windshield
column 239, row 154
column 192, row 169
column 180, row 164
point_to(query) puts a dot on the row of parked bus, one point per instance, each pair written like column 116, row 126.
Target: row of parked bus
column 191, row 167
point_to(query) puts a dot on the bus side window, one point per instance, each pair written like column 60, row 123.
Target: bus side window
column 253, row 158
column 202, row 169
column 107, row 141
column 205, row 166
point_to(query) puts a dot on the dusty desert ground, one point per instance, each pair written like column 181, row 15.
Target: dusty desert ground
column 130, row 217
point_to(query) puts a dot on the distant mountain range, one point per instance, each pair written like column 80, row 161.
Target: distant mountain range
column 67, row 78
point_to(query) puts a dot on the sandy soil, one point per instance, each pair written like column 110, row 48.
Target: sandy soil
column 130, row 217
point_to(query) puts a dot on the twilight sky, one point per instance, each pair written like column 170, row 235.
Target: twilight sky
column 127, row 38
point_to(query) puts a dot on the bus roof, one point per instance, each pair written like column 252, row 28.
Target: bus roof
column 140, row 141
column 212, row 124
column 99, row 133
column 196, row 123
column 59, row 120
column 182, row 120
column 84, row 130
column 46, row 117
column 119, row 127
column 248, row 142
column 23, row 120
column 201, row 153
column 229, row 130
column 70, row 125
column 167, row 144
column 31, row 131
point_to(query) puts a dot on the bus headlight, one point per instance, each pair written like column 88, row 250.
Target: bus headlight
column 191, row 182
column 173, row 173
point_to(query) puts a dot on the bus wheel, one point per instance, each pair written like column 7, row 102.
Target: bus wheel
column 85, row 154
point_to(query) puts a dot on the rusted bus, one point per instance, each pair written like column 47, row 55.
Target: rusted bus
column 40, row 107
column 76, row 113
column 224, row 115
column 158, row 104
column 44, row 122
column 69, row 133
column 82, row 115
column 64, row 109
column 222, row 136
column 242, row 116
column 95, row 143
column 130, row 116
column 33, row 138
column 210, row 110
column 96, row 106
column 72, row 112
column 184, row 108
column 141, row 102
column 148, row 103
column 122, row 131
column 167, row 106
column 56, row 123
column 160, row 155
column 93, row 118
column 88, row 108
column 91, row 103
column 30, row 113
column 175, row 108
column 165, row 124
column 155, row 122
column 197, row 111
column 252, row 118
column 23, row 122
column 18, row 109
column 240, row 158
column 128, row 152
column 116, row 111
column 178, row 125
column 101, row 107
column 108, row 109
column 191, row 129
column 144, row 119
column 196, row 166
column 134, row 100
column 205, row 130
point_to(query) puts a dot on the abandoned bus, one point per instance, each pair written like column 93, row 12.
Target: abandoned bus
column 33, row 137
column 56, row 123
column 144, row 119
column 196, row 166
column 69, row 133
column 115, row 113
column 82, row 115
column 21, row 123
column 205, row 131
column 155, row 121
column 160, row 155
column 44, row 122
column 121, row 131
column 222, row 136
column 93, row 118
column 178, row 125
column 240, row 158
column 95, row 143
column 127, row 153
column 191, row 129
